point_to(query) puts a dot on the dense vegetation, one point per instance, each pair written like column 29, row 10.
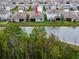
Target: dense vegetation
column 46, row 23
column 15, row 44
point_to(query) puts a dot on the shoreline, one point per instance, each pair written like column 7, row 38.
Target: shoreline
column 57, row 24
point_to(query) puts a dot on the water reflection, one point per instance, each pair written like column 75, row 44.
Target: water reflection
column 66, row 34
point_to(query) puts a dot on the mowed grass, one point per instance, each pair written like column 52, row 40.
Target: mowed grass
column 47, row 23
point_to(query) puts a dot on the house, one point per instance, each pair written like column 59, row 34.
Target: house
column 20, row 1
column 5, row 2
column 43, row 1
column 65, row 7
column 19, row 17
column 52, row 14
column 77, row 6
column 70, row 7
column 2, row 6
column 23, row 6
column 57, row 18
column 51, row 5
column 69, row 16
column 77, row 16
column 4, row 15
column 37, row 17
column 10, row 6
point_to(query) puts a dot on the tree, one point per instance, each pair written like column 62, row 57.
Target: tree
column 30, row 8
column 27, row 18
column 38, row 36
column 44, row 9
column 56, row 52
column 62, row 18
column 45, row 17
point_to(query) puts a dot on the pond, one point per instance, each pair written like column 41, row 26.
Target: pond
column 67, row 34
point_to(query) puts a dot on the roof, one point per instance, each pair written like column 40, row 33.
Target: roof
column 77, row 15
column 68, row 14
column 19, row 15
column 11, row 5
column 2, row 11
column 18, row 1
column 57, row 17
column 39, row 16
column 24, row 5
column 4, row 2
column 53, row 11
column 1, row 5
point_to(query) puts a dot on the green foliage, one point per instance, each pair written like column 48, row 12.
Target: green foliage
column 45, row 17
column 56, row 51
column 30, row 8
column 27, row 18
column 62, row 18
column 15, row 44
column 14, row 9
column 44, row 9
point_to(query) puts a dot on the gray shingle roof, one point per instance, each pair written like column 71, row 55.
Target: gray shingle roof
column 2, row 11
column 53, row 11
column 68, row 15
column 19, row 15
column 39, row 16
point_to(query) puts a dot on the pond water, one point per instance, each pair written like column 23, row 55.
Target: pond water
column 66, row 34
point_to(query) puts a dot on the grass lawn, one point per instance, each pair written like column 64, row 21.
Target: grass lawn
column 3, row 20
column 42, row 24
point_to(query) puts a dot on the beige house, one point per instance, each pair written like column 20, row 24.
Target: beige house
column 19, row 17
column 69, row 16
column 37, row 17
column 52, row 14
column 4, row 15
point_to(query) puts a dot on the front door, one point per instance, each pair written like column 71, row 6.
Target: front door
column 33, row 20
column 21, row 20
